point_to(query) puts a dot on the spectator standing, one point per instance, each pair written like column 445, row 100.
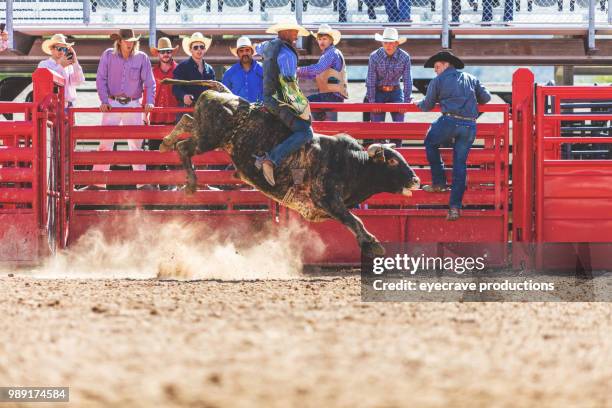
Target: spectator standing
column 63, row 60
column 245, row 78
column 193, row 68
column 123, row 74
column 329, row 72
column 386, row 67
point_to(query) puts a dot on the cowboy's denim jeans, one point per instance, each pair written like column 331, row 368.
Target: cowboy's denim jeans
column 302, row 134
column 442, row 130
column 388, row 97
column 325, row 97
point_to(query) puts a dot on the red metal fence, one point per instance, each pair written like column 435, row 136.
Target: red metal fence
column 573, row 196
column 28, row 193
column 46, row 159
column 396, row 218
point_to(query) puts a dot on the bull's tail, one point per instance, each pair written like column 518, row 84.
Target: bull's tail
column 216, row 85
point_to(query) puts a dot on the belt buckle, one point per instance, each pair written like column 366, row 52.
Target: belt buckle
column 124, row 100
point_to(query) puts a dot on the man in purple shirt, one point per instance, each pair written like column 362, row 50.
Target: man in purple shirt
column 329, row 72
column 123, row 73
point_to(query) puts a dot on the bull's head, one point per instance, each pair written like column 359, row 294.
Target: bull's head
column 398, row 176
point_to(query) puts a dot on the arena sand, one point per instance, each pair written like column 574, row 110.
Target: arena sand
column 239, row 325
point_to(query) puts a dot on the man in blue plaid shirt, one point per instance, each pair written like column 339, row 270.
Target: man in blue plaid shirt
column 387, row 66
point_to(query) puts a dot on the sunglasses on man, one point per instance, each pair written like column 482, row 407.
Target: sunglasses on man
column 165, row 52
column 198, row 47
column 62, row 49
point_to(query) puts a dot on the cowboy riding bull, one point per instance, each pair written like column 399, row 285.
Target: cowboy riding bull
column 321, row 181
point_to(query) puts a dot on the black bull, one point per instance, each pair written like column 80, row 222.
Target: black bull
column 337, row 172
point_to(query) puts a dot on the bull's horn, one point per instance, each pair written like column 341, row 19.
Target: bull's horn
column 374, row 149
column 389, row 145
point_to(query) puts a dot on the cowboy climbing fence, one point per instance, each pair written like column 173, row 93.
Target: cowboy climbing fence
column 551, row 193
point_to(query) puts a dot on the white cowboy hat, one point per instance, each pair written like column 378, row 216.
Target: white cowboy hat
column 163, row 44
column 289, row 24
column 243, row 42
column 325, row 29
column 195, row 37
column 56, row 39
column 389, row 35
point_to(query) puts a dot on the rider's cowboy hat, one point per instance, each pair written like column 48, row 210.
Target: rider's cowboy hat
column 125, row 34
column 289, row 24
column 389, row 35
column 56, row 39
column 196, row 37
column 325, row 29
column 163, row 44
column 243, row 42
column 445, row 56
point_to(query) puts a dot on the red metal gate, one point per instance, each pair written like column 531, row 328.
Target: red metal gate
column 395, row 218
column 573, row 196
column 28, row 185
column 231, row 208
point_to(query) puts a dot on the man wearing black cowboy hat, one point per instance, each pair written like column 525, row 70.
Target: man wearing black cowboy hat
column 458, row 94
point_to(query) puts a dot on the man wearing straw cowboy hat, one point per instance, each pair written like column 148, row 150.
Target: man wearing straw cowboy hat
column 193, row 68
column 123, row 74
column 387, row 66
column 63, row 60
column 329, row 72
column 245, row 78
column 282, row 95
column 163, row 92
column 459, row 94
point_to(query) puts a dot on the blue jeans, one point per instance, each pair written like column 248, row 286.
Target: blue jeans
column 395, row 13
column 325, row 97
column 302, row 134
column 388, row 97
column 443, row 130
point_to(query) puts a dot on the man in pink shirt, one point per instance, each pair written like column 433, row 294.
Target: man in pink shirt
column 123, row 74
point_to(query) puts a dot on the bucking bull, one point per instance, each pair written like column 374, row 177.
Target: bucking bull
column 321, row 181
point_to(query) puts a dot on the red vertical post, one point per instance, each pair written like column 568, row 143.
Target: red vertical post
column 523, row 159
column 48, row 87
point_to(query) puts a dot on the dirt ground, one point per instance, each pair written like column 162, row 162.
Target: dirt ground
column 303, row 342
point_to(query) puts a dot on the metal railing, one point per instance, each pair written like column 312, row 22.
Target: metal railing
column 203, row 14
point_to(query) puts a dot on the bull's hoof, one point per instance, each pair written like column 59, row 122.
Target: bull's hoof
column 166, row 146
column 372, row 249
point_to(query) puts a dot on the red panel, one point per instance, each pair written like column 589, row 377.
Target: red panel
column 15, row 175
column 18, row 236
column 16, row 195
column 473, row 226
column 577, row 231
column 16, row 128
column 133, row 197
column 119, row 132
column 578, row 186
column 578, row 209
column 21, row 154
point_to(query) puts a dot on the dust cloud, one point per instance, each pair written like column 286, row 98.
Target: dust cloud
column 145, row 248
